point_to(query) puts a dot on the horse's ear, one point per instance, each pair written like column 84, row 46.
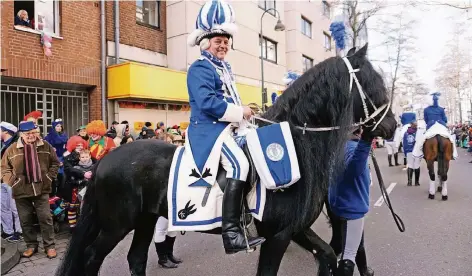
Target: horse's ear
column 351, row 52
column 362, row 53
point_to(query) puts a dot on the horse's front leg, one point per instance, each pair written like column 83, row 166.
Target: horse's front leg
column 327, row 261
column 432, row 179
column 272, row 252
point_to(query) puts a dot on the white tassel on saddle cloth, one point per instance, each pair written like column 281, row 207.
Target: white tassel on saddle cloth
column 436, row 129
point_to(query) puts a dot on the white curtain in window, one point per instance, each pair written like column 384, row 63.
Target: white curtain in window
column 44, row 16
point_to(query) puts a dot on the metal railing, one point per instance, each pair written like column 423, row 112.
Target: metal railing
column 69, row 105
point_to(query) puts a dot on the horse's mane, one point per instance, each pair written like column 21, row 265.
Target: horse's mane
column 321, row 98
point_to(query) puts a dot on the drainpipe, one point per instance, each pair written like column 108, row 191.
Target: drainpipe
column 117, row 31
column 103, row 63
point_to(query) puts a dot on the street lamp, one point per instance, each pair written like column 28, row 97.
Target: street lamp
column 278, row 28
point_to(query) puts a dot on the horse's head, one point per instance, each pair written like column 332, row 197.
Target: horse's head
column 374, row 108
column 322, row 97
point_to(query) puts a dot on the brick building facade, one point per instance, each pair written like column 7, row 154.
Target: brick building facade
column 65, row 84
column 136, row 34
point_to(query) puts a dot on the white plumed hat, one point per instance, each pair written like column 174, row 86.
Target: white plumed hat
column 215, row 18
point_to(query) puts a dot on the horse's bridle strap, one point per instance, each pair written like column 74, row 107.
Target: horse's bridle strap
column 363, row 96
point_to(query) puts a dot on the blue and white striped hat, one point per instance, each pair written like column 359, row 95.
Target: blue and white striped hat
column 215, row 18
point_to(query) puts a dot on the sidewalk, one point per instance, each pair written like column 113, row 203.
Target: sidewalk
column 39, row 264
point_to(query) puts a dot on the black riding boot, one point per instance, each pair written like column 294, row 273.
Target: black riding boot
column 361, row 263
column 395, row 156
column 404, row 161
column 233, row 235
column 410, row 176
column 162, row 253
column 170, row 250
column 345, row 268
column 417, row 177
column 390, row 160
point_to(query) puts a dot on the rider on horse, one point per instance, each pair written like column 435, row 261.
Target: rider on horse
column 436, row 124
column 434, row 113
column 216, row 111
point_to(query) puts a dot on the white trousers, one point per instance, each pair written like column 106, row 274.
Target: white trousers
column 412, row 162
column 353, row 236
column 10, row 219
column 391, row 147
column 160, row 231
column 233, row 160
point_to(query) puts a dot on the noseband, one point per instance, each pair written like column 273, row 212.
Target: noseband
column 363, row 96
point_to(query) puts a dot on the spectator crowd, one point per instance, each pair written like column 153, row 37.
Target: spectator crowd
column 34, row 170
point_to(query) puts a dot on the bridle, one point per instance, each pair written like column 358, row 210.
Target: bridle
column 364, row 98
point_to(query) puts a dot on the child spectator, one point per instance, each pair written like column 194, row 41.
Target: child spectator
column 413, row 163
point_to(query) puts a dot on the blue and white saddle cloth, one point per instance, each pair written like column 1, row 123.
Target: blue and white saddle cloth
column 273, row 152
column 199, row 208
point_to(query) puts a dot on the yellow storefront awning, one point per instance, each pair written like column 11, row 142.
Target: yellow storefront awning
column 141, row 81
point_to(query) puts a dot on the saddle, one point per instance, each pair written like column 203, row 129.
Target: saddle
column 252, row 178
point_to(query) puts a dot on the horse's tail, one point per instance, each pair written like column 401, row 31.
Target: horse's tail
column 87, row 229
column 441, row 157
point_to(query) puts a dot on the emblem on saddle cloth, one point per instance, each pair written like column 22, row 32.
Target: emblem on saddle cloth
column 273, row 152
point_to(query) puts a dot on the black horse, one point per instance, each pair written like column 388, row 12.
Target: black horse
column 129, row 188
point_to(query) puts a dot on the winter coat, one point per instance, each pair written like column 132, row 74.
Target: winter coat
column 409, row 140
column 14, row 171
column 58, row 141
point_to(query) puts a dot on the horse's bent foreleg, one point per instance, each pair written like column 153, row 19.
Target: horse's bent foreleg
column 272, row 252
column 100, row 248
column 432, row 179
column 322, row 251
column 138, row 252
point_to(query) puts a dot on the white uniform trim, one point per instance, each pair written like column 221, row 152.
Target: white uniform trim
column 233, row 114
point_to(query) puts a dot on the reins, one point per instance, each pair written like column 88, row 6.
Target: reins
column 383, row 191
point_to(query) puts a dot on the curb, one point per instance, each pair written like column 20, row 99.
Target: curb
column 10, row 256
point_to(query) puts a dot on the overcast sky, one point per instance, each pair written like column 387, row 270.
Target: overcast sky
column 434, row 29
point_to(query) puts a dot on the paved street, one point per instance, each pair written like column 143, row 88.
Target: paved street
column 437, row 241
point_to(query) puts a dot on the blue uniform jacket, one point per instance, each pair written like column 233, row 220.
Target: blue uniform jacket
column 433, row 114
column 409, row 140
column 349, row 196
column 212, row 106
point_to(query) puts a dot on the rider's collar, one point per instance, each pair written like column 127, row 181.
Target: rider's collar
column 215, row 60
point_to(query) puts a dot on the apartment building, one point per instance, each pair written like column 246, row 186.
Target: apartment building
column 307, row 34
column 65, row 84
column 146, row 55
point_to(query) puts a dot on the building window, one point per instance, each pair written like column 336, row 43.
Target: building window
column 148, row 12
column 307, row 63
column 327, row 41
column 326, row 9
column 39, row 15
column 266, row 5
column 269, row 49
column 306, row 27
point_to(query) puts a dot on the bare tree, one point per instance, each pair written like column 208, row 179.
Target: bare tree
column 398, row 48
column 455, row 5
column 452, row 73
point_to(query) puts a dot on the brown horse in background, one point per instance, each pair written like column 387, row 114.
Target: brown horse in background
column 438, row 149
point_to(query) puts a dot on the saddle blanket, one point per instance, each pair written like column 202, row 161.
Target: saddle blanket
column 199, row 208
column 436, row 129
column 273, row 152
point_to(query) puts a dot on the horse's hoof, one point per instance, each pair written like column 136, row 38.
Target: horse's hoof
column 439, row 189
column 431, row 196
column 444, row 198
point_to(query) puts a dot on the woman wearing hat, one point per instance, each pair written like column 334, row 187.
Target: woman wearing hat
column 58, row 139
column 216, row 110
